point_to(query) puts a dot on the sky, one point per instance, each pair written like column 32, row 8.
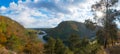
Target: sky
column 46, row 13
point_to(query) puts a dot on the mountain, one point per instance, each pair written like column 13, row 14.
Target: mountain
column 67, row 28
column 15, row 38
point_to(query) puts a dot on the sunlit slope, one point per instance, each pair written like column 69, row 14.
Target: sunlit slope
column 10, row 27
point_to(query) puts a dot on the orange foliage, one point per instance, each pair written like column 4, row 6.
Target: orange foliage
column 3, row 39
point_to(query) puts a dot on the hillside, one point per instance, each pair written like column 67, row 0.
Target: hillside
column 10, row 27
column 67, row 28
column 14, row 37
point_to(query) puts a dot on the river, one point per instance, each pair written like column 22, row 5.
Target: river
column 40, row 36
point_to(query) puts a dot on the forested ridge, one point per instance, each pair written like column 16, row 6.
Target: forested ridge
column 14, row 38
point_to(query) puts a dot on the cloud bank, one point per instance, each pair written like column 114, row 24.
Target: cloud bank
column 48, row 13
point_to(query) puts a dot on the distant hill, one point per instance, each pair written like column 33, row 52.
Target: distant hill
column 67, row 28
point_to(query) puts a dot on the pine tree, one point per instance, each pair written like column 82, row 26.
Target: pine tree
column 100, row 35
column 50, row 46
column 74, row 42
column 107, row 19
column 56, row 47
column 84, row 42
column 66, row 50
column 59, row 46
column 89, row 24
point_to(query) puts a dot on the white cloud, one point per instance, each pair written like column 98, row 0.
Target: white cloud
column 39, row 13
column 3, row 8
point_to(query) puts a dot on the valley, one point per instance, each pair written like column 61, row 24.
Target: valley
column 59, row 27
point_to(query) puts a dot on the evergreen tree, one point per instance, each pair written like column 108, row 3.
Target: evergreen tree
column 89, row 24
column 100, row 35
column 107, row 19
column 74, row 42
column 84, row 42
column 66, row 50
column 60, row 48
column 50, row 46
column 56, row 47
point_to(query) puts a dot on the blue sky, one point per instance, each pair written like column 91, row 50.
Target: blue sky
column 7, row 2
column 46, row 13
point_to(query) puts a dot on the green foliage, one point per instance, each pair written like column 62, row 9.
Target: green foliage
column 67, row 28
column 50, row 46
column 33, row 36
column 56, row 47
column 14, row 42
column 89, row 24
column 59, row 46
column 100, row 35
column 74, row 42
column 3, row 27
column 66, row 50
column 14, row 37
column 85, row 41
column 82, row 46
column 108, row 21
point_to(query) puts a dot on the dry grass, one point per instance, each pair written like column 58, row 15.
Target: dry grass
column 114, row 50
